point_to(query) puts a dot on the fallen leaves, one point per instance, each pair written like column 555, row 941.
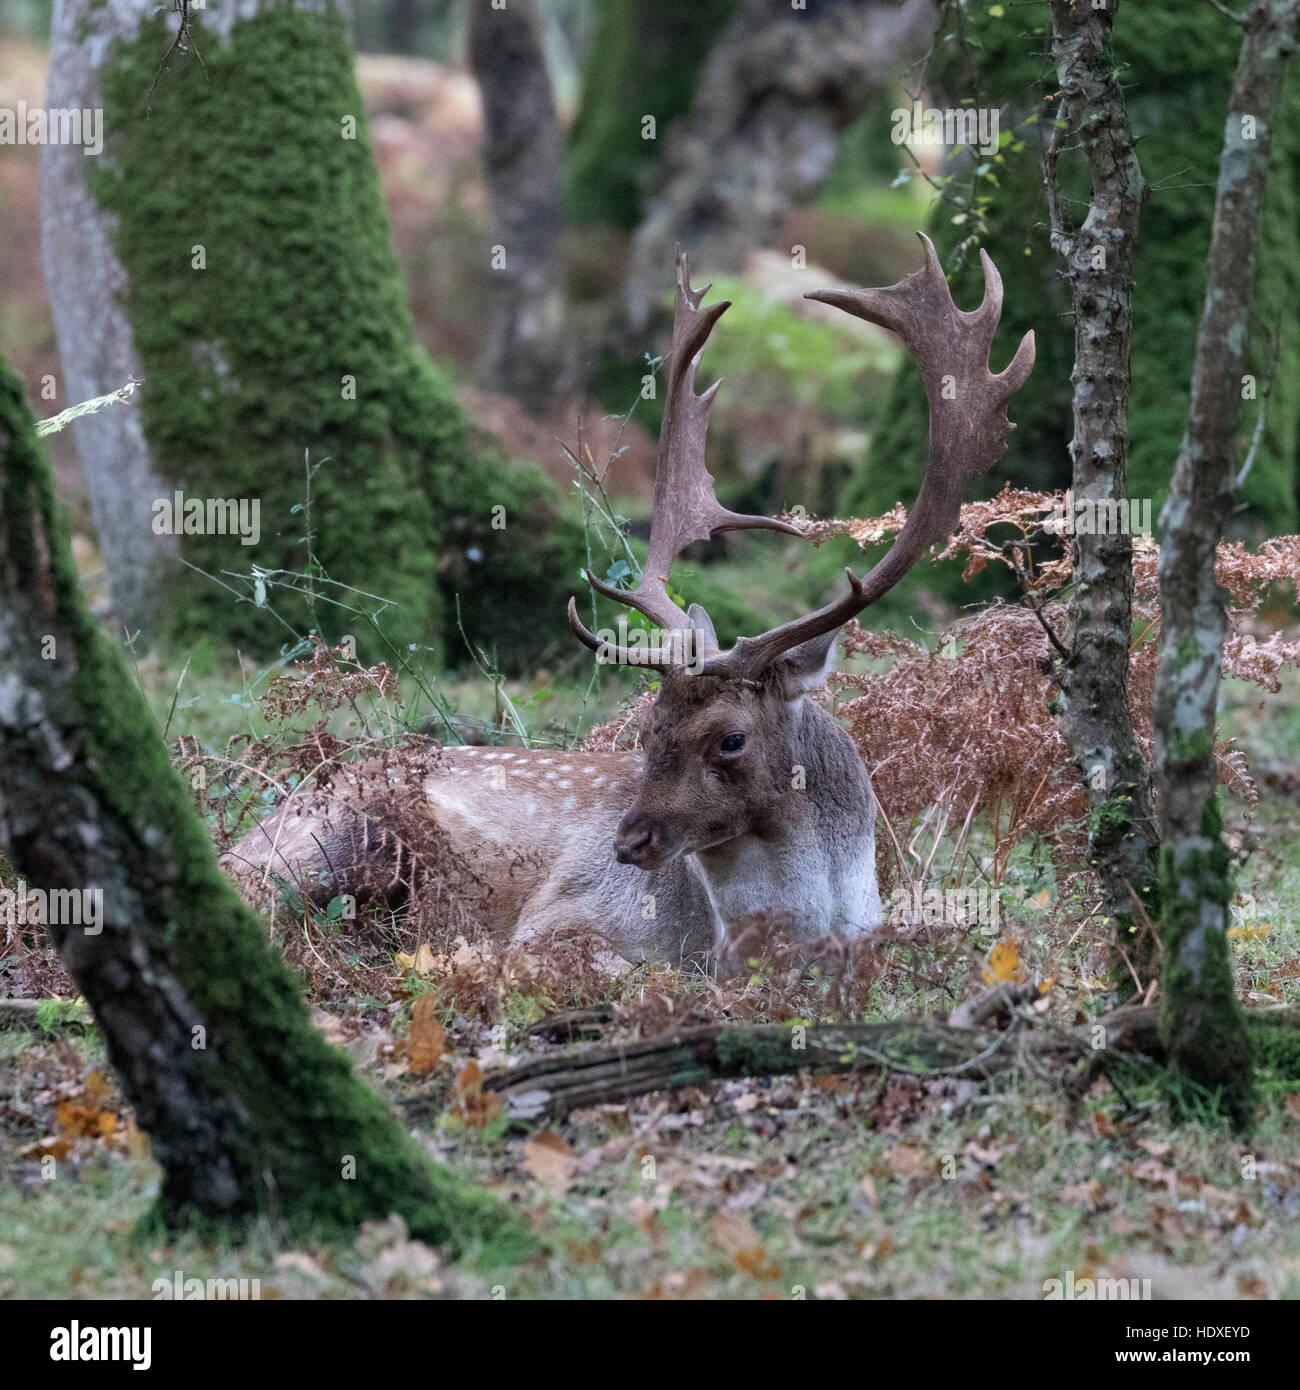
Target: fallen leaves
column 427, row 1041
column 422, row 962
column 1252, row 931
column 737, row 1238
column 909, row 1161
column 468, row 965
column 1003, row 964
column 472, row 1104
column 81, row 1112
column 550, row 1160
column 1090, row 1195
column 395, row 1264
column 677, row 1284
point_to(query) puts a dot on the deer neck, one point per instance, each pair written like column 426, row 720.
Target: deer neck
column 811, row 866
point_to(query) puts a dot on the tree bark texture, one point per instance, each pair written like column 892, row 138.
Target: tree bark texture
column 249, row 1111
column 525, row 353
column 1094, row 677
column 1201, row 1019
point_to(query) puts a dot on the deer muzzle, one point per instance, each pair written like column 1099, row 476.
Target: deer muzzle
column 637, row 841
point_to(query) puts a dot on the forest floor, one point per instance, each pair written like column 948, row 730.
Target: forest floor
column 802, row 1186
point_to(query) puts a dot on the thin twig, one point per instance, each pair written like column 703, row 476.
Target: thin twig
column 1227, row 13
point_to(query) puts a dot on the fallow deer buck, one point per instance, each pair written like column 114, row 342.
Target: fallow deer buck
column 747, row 799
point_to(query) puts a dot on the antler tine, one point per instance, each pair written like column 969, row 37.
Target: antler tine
column 968, row 431
column 685, row 508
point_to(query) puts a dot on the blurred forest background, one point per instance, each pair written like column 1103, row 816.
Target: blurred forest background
column 758, row 136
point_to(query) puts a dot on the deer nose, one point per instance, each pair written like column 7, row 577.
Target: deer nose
column 634, row 843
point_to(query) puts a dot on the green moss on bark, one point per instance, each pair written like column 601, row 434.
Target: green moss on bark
column 1275, row 1043
column 1201, row 1022
column 1177, row 62
column 249, row 361
column 645, row 61
column 302, row 1113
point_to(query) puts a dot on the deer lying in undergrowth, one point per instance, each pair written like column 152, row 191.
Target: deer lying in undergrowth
column 746, row 798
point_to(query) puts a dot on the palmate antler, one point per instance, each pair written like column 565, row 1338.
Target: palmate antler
column 968, row 434
column 685, row 506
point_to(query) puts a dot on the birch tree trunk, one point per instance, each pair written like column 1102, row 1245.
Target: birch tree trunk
column 1201, row 1019
column 86, row 284
column 1094, row 676
column 250, row 1112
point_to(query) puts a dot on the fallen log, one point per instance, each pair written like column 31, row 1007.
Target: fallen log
column 549, row 1087
column 43, row 1015
column 574, row 1025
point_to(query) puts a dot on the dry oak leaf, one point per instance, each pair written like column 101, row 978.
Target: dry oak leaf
column 910, row 1161
column 756, row 1264
column 1090, row 1194
column 734, row 1234
column 426, row 1041
column 96, row 1089
column 474, row 1106
column 1003, row 964
column 1252, row 931
column 422, row 962
column 550, row 1160
column 739, row 1239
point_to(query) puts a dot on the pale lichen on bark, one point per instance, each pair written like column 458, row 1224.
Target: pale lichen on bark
column 1201, row 1019
column 1094, row 706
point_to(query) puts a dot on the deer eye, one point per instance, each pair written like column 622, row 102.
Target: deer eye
column 733, row 743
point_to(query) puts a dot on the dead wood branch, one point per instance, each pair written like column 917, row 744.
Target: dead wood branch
column 43, row 1015
column 997, row 1000
column 550, row 1087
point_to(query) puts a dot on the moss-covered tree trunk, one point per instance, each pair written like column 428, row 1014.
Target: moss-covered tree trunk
column 525, row 353
column 85, row 280
column 1201, row 1019
column 232, row 246
column 1094, row 677
column 250, row 1112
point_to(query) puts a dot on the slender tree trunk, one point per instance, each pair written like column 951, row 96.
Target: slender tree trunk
column 1176, row 63
column 525, row 354
column 87, row 286
column 250, row 1112
column 1094, row 677
column 1201, row 1019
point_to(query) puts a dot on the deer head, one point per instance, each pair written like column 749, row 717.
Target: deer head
column 729, row 726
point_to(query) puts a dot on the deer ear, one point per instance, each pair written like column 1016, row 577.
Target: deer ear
column 701, row 621
column 806, row 666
